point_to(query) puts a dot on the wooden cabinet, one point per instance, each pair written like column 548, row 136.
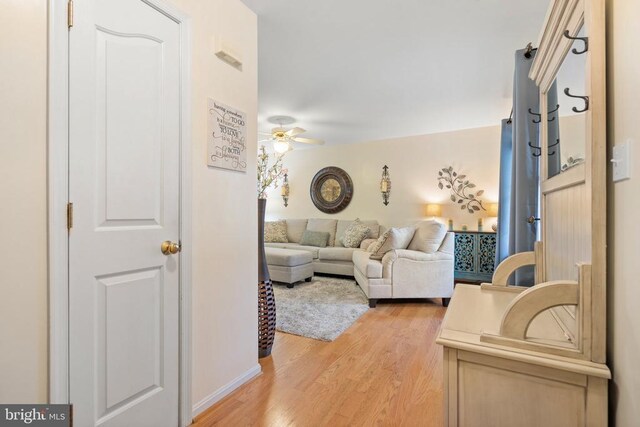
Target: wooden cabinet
column 536, row 356
column 493, row 385
column 475, row 254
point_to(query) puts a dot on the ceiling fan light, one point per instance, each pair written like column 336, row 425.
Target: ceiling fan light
column 281, row 146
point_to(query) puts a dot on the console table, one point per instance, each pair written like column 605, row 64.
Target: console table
column 475, row 254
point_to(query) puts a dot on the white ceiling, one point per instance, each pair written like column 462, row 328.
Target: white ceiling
column 362, row 70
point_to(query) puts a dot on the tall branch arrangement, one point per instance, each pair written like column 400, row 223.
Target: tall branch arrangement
column 269, row 176
column 461, row 190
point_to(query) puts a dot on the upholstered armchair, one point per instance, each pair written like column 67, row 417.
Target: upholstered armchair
column 410, row 273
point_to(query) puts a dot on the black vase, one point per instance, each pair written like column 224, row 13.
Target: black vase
column 266, row 299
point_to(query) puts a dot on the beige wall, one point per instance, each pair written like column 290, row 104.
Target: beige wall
column 23, row 215
column 624, row 205
column 224, row 216
column 413, row 163
column 225, row 328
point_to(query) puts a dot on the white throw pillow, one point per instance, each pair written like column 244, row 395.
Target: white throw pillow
column 394, row 238
column 428, row 237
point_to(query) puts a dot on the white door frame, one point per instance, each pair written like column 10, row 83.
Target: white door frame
column 58, row 196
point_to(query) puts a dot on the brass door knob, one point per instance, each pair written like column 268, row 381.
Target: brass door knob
column 168, row 247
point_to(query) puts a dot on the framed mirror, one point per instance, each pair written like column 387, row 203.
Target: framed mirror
column 331, row 189
column 573, row 198
column 567, row 136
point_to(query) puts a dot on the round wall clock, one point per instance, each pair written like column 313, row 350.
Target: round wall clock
column 331, row 189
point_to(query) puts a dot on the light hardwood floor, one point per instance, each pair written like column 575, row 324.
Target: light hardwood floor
column 385, row 370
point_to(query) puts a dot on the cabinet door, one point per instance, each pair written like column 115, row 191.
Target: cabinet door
column 486, row 253
column 465, row 256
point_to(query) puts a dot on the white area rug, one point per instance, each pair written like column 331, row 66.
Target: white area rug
column 321, row 309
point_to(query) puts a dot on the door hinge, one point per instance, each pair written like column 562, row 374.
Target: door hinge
column 69, row 216
column 70, row 14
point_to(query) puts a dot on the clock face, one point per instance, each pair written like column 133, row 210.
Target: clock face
column 330, row 190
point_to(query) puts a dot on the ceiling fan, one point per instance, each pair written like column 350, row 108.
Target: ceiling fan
column 282, row 138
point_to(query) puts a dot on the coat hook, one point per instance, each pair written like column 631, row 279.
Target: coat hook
column 539, row 153
column 584, row 98
column 535, row 114
column 534, row 154
column 585, row 40
column 553, row 111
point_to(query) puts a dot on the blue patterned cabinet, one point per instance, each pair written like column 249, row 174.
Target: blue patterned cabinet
column 475, row 253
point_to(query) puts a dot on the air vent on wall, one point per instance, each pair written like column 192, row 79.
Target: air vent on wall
column 227, row 53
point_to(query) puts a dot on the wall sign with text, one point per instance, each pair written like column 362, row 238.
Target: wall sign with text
column 226, row 143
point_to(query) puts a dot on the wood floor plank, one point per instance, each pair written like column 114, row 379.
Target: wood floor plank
column 385, row 370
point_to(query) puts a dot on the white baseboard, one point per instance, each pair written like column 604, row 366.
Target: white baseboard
column 225, row 390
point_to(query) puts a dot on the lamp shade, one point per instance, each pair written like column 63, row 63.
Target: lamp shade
column 433, row 210
column 492, row 210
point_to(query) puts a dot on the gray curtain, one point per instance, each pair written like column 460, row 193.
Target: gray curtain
column 553, row 119
column 519, row 168
column 504, row 200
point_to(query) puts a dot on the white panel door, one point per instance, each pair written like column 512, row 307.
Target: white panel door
column 124, row 152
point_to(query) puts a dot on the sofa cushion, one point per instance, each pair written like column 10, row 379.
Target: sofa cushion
column 366, row 243
column 287, row 257
column 327, row 225
column 275, row 232
column 372, row 269
column 394, row 238
column 314, row 238
column 313, row 250
column 336, row 254
column 353, row 235
column 428, row 236
column 342, row 226
column 374, row 226
column 295, row 228
column 275, row 245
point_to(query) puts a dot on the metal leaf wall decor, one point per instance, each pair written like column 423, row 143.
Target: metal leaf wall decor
column 462, row 190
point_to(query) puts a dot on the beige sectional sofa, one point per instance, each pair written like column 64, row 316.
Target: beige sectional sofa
column 333, row 259
column 423, row 270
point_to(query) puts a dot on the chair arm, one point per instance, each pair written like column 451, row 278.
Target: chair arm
column 395, row 254
column 511, row 264
column 526, row 306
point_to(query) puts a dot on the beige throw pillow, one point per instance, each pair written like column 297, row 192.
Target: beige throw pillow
column 314, row 238
column 321, row 224
column 428, row 237
column 394, row 238
column 275, row 232
column 355, row 234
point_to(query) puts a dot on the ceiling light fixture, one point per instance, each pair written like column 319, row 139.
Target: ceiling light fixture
column 281, row 146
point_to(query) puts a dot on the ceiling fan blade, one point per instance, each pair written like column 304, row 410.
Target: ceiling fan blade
column 294, row 132
column 265, row 133
column 309, row 140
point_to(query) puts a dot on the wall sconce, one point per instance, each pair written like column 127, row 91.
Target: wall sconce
column 385, row 185
column 285, row 190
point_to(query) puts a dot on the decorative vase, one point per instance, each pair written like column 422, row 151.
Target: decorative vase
column 266, row 298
